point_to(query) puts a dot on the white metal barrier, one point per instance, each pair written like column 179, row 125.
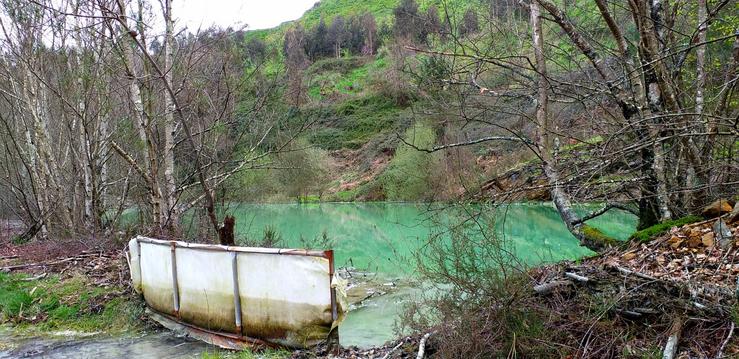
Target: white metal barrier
column 288, row 297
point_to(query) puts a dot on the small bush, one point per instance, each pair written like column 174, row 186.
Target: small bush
column 478, row 295
column 407, row 177
column 341, row 65
column 19, row 239
column 657, row 229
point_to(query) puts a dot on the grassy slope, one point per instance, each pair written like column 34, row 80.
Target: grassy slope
column 345, row 93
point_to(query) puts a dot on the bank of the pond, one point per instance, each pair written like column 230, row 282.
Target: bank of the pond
column 374, row 243
column 78, row 294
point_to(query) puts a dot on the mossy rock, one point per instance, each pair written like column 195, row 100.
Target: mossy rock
column 650, row 232
column 595, row 238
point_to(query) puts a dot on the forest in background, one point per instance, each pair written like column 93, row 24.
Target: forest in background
column 116, row 121
column 108, row 107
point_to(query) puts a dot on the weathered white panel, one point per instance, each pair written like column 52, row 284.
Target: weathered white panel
column 285, row 297
column 156, row 277
column 285, row 294
column 133, row 262
column 206, row 288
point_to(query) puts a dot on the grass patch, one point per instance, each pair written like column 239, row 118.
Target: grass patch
column 70, row 304
column 345, row 196
column 657, row 229
column 310, row 198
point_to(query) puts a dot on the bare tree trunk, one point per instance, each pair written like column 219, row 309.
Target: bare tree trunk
column 85, row 149
column 208, row 193
column 48, row 170
column 169, row 122
column 700, row 176
column 142, row 125
column 631, row 106
column 544, row 143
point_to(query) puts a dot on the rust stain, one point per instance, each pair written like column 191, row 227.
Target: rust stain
column 208, row 305
column 284, row 322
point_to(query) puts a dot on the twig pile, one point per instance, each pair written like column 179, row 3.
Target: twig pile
column 677, row 293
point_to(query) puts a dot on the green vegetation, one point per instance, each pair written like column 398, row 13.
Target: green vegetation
column 354, row 122
column 407, row 175
column 595, row 235
column 650, row 232
column 65, row 304
column 328, row 9
column 301, row 176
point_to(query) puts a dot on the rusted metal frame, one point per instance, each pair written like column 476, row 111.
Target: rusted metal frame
column 210, row 247
column 246, row 339
column 334, row 310
column 175, row 285
column 333, row 336
column 237, row 295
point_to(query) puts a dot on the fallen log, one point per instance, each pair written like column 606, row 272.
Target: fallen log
column 387, row 355
column 577, row 277
column 546, row 288
column 720, row 353
column 672, row 341
column 422, row 345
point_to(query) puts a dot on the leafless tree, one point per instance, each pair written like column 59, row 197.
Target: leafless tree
column 100, row 111
column 628, row 84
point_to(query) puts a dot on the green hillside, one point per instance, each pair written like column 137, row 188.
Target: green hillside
column 361, row 104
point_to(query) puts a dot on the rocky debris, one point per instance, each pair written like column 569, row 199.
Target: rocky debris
column 405, row 347
column 723, row 233
column 362, row 286
column 718, row 208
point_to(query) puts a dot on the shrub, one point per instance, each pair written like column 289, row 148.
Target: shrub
column 407, row 177
column 478, row 292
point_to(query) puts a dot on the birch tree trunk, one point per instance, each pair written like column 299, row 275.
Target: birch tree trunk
column 545, row 144
column 142, row 125
column 701, row 174
column 47, row 167
column 169, row 121
column 85, row 148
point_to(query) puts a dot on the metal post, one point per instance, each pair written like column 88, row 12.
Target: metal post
column 237, row 296
column 175, row 286
column 333, row 336
column 334, row 310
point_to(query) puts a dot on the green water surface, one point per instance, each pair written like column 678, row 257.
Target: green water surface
column 381, row 238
